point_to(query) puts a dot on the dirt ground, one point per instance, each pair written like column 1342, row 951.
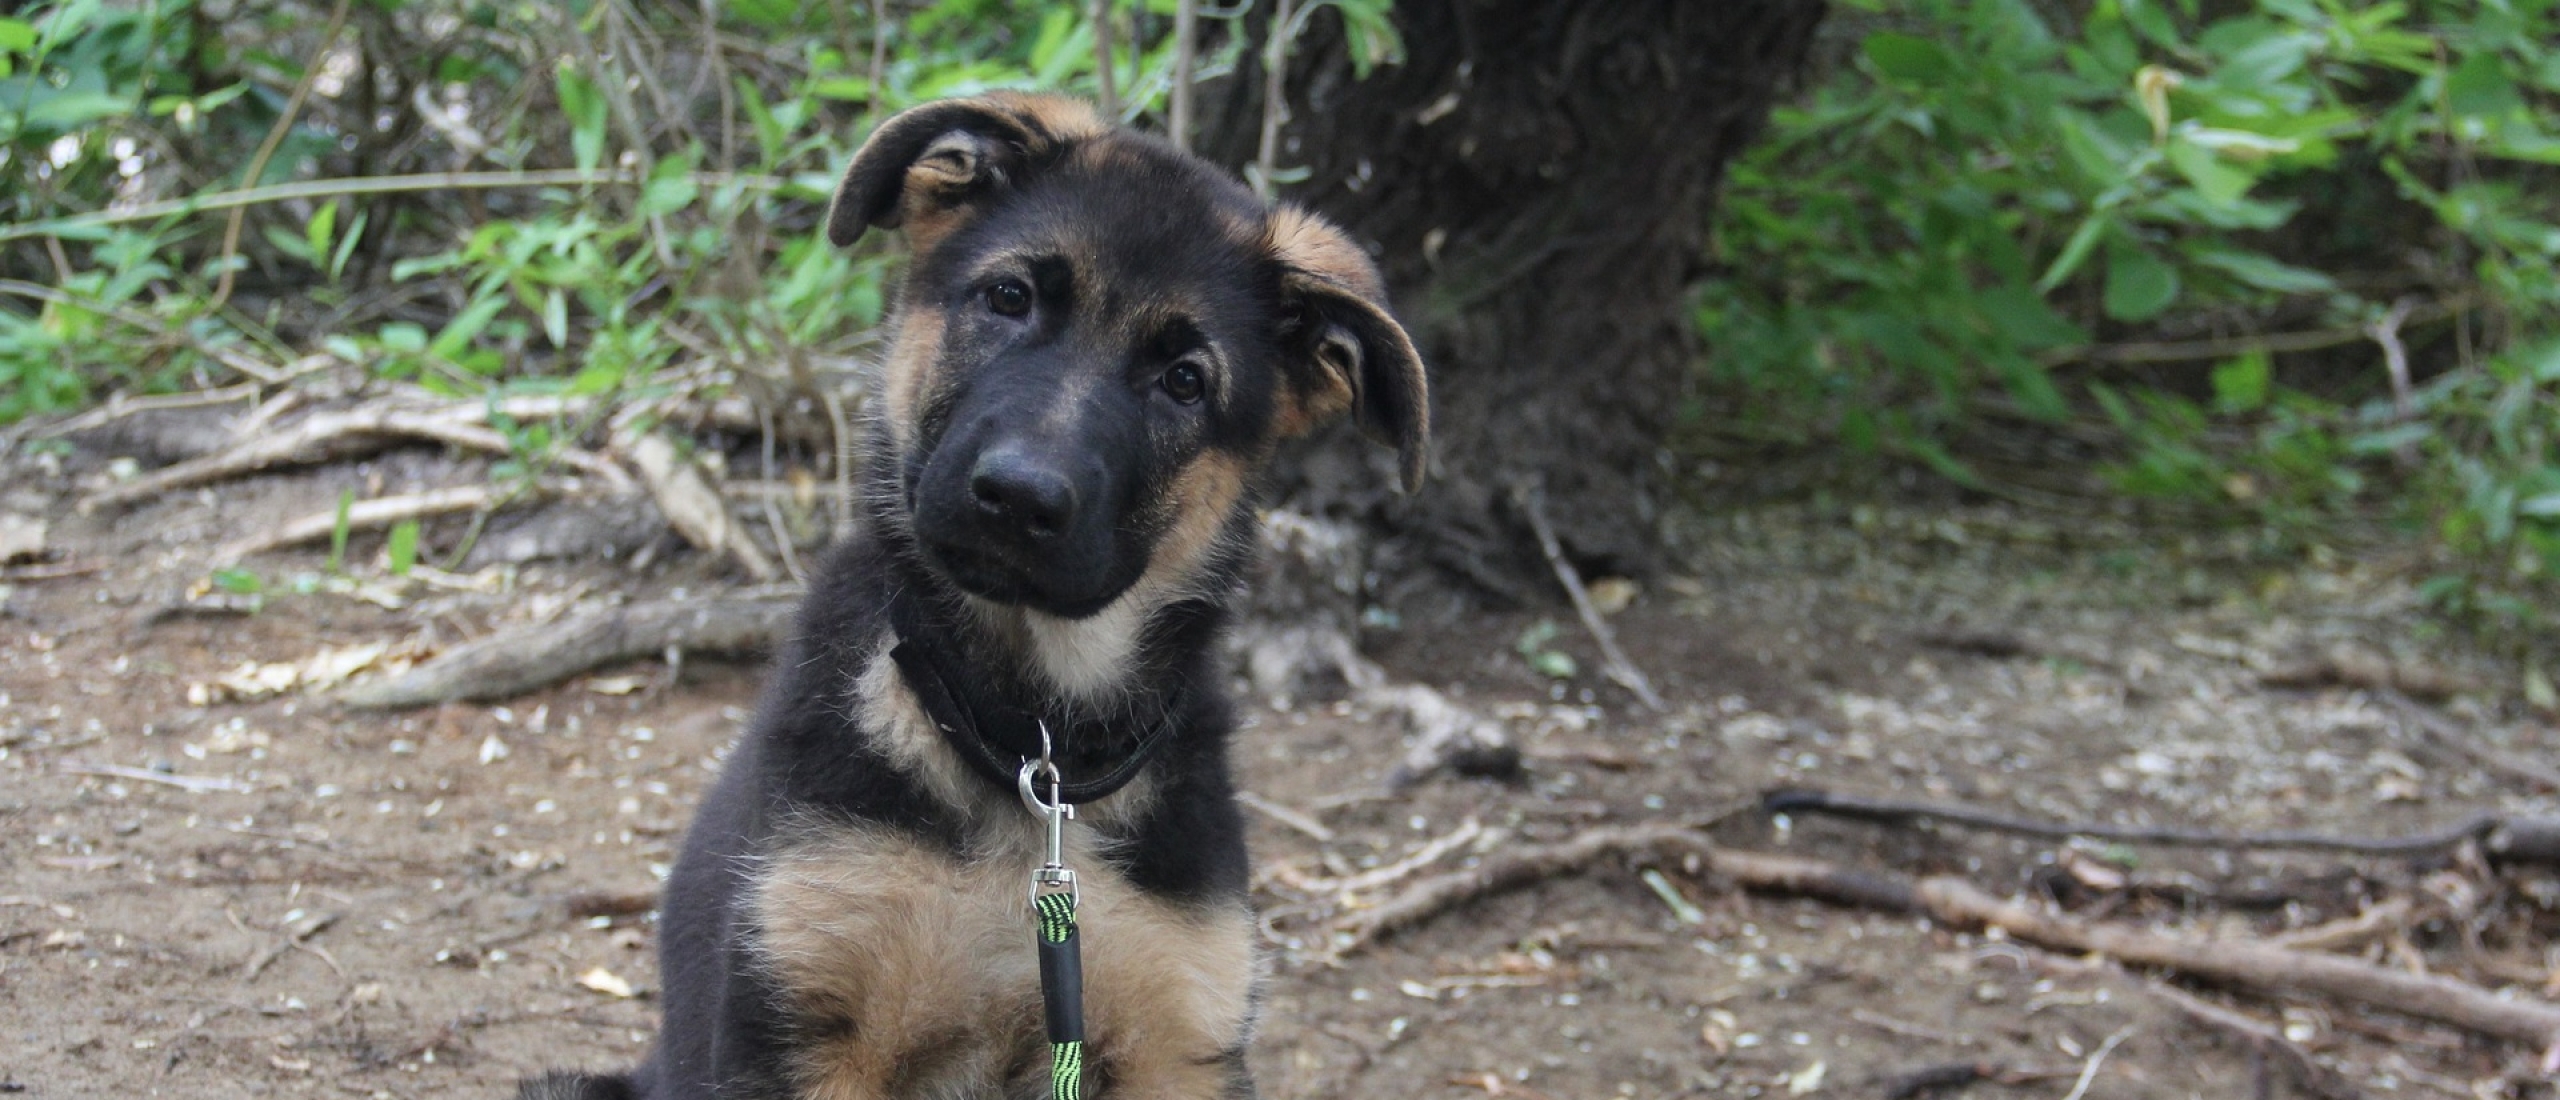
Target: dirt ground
column 211, row 897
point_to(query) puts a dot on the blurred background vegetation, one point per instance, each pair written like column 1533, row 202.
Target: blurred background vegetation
column 2279, row 265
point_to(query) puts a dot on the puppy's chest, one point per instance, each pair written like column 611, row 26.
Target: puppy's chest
column 907, row 972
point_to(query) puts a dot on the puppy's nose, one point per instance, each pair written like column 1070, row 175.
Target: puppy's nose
column 1013, row 485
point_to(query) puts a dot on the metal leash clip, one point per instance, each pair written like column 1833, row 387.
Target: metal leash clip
column 1052, row 876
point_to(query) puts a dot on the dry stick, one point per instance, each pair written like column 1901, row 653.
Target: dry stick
column 2256, row 966
column 1886, row 811
column 1613, row 659
column 363, row 514
column 1186, row 60
column 339, row 434
column 2259, row 967
column 2186, row 351
column 2317, row 1079
column 521, row 660
column 1295, row 819
column 2395, row 355
column 2442, row 731
column 842, row 426
column 367, row 185
column 879, row 53
column 1106, row 94
column 1275, row 108
column 2089, row 1070
column 119, row 406
column 194, row 783
column 267, row 151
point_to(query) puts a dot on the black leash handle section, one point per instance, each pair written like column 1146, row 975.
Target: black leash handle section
column 1061, row 972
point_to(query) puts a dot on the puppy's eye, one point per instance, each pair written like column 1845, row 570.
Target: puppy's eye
column 1184, row 383
column 1009, row 298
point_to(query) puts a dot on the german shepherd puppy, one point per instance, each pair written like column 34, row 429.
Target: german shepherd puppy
column 1098, row 343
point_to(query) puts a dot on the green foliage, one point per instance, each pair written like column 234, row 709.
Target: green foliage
column 680, row 254
column 2189, row 223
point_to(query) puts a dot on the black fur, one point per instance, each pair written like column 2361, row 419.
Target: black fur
column 998, row 497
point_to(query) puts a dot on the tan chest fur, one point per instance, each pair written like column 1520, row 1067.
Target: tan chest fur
column 912, row 973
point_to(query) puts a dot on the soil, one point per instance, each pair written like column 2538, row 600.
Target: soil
column 340, row 903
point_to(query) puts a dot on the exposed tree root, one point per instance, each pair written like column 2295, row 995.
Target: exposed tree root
column 518, row 661
column 362, row 515
column 339, row 434
column 2512, row 840
column 2258, row 967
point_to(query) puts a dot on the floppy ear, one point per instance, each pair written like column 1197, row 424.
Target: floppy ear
column 1349, row 354
column 925, row 166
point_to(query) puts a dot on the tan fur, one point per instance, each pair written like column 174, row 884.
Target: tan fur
column 889, row 710
column 1087, row 659
column 908, row 372
column 914, row 972
column 1311, row 245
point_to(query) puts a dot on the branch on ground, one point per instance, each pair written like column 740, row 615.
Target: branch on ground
column 2258, row 967
column 521, row 660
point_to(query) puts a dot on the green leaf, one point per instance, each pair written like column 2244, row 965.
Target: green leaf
column 17, row 36
column 2025, row 321
column 1554, row 665
column 2218, row 181
column 338, row 529
column 238, row 582
column 402, row 547
column 1908, row 58
column 404, row 337
column 585, row 107
column 2075, row 251
column 320, row 230
column 670, row 187
column 2241, row 385
column 2479, row 88
column 2139, row 286
column 2262, row 271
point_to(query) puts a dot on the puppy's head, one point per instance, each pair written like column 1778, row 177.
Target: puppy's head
column 1099, row 340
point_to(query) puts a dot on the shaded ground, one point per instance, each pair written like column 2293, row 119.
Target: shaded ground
column 379, row 905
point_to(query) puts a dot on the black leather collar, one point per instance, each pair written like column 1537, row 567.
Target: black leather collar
column 997, row 739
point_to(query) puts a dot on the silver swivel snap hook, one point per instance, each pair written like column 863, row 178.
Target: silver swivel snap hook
column 1052, row 876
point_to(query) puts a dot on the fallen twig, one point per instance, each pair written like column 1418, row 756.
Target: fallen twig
column 518, row 661
column 693, row 507
column 50, row 571
column 2314, row 1078
column 1613, row 659
column 340, row 433
column 2089, row 1069
column 297, row 935
column 1887, row 811
column 1295, row 819
column 364, row 515
column 195, row 783
column 2259, row 967
column 2441, row 731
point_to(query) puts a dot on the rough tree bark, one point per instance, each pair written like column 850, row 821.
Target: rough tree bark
column 1536, row 178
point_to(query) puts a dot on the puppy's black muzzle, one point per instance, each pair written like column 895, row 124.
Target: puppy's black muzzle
column 1020, row 502
column 1020, row 495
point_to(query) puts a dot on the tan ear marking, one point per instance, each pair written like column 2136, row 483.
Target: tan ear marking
column 1362, row 360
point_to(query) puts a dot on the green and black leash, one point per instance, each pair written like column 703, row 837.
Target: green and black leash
column 1053, row 900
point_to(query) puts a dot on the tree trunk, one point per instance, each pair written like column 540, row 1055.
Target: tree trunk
column 1537, row 179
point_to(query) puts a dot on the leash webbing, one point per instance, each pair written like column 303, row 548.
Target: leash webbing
column 1053, row 901
column 1061, row 993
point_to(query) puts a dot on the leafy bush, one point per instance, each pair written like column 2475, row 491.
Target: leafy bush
column 2297, row 255
column 472, row 198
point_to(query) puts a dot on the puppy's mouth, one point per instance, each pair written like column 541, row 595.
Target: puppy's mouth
column 1001, row 575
